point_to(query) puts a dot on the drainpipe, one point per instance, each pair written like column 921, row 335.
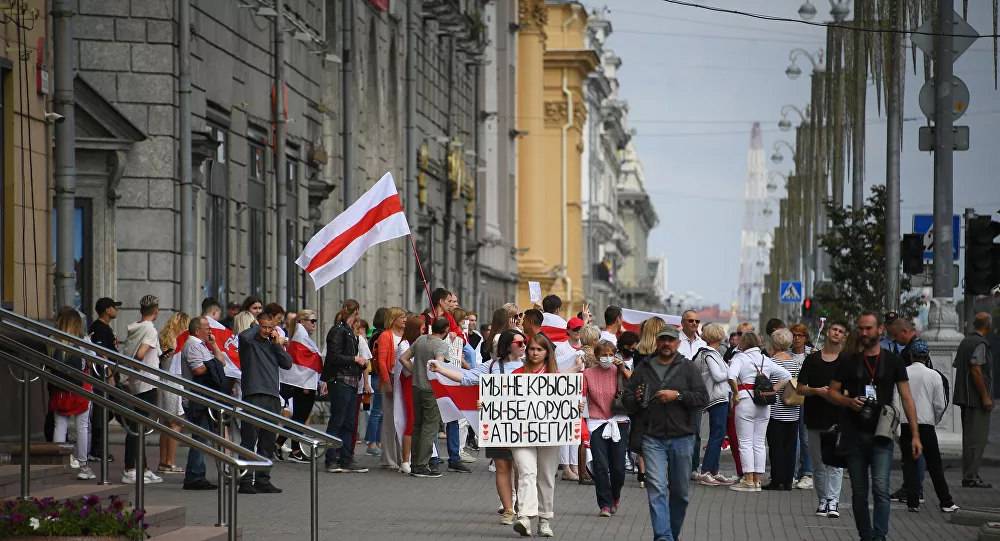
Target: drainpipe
column 412, row 202
column 65, row 155
column 280, row 159
column 347, row 95
column 477, row 186
column 565, row 153
column 188, row 287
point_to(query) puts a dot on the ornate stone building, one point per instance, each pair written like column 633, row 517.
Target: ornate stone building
column 639, row 286
column 554, row 63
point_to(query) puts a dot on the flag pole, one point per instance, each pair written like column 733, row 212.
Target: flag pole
column 420, row 267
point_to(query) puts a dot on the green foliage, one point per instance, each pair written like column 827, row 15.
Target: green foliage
column 855, row 246
column 83, row 517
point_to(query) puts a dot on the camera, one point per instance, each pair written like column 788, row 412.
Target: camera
column 54, row 118
column 869, row 410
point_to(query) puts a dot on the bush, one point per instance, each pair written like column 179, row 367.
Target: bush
column 82, row 517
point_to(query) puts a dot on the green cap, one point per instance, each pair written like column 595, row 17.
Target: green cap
column 668, row 331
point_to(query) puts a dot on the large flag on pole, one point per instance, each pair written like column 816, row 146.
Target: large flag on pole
column 632, row 319
column 377, row 216
column 307, row 362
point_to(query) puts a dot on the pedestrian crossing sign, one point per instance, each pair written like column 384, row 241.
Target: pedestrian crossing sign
column 791, row 292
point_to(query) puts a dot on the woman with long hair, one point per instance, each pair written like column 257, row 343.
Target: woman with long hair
column 608, row 430
column 301, row 384
column 402, row 389
column 343, row 371
column 571, row 456
column 508, row 359
column 251, row 308
column 393, row 326
column 647, row 336
column 66, row 406
column 168, row 401
column 752, row 418
column 502, row 320
column 536, row 466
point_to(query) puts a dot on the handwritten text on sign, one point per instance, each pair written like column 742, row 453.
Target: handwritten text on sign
column 530, row 410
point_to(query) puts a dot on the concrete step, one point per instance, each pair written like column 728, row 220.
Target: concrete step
column 973, row 516
column 80, row 489
column 42, row 476
column 990, row 532
column 199, row 533
column 163, row 519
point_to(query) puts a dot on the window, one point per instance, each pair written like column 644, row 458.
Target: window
column 296, row 298
column 83, row 255
column 258, row 230
column 216, row 229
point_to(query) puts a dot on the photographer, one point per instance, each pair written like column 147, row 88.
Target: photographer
column 866, row 383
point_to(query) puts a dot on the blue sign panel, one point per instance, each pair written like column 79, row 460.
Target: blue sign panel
column 791, row 292
column 924, row 224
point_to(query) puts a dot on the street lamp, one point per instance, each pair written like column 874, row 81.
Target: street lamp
column 807, row 11
column 784, row 124
column 772, row 185
column 793, row 71
column 777, row 158
column 839, row 10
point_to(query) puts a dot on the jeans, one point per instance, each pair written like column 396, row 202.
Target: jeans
column 373, row 433
column 343, row 403
column 921, row 470
column 255, row 438
column 696, row 448
column 131, row 442
column 426, row 419
column 928, row 437
column 302, row 405
column 609, row 465
column 195, row 469
column 802, row 456
column 875, row 457
column 717, row 417
column 60, row 431
column 828, row 480
column 781, row 438
column 454, row 440
column 667, row 463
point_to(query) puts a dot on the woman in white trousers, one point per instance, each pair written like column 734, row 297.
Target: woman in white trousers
column 751, row 418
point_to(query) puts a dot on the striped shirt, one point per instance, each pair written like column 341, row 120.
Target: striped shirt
column 780, row 411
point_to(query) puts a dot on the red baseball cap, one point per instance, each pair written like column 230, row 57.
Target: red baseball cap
column 574, row 323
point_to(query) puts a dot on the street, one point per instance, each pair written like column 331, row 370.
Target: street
column 463, row 506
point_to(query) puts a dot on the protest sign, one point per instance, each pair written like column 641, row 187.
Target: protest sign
column 535, row 291
column 529, row 410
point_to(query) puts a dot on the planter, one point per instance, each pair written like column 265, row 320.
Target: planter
column 70, row 538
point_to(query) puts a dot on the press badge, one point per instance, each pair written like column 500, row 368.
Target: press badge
column 869, row 391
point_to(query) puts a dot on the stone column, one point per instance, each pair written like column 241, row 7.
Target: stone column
column 942, row 336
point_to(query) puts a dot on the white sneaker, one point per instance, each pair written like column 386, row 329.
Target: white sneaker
column 128, row 477
column 707, row 479
column 493, row 467
column 523, row 527
column 744, row 486
column 695, row 475
column 723, row 480
column 544, row 529
column 806, row 483
column 466, row 457
column 86, row 475
column 404, row 468
column 950, row 509
column 151, row 478
column 74, row 463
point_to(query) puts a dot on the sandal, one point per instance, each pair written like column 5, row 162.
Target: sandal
column 975, row 483
column 169, row 468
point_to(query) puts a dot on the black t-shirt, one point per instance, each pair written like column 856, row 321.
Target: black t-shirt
column 883, row 371
column 819, row 413
column 102, row 335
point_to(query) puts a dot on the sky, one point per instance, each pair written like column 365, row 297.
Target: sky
column 695, row 81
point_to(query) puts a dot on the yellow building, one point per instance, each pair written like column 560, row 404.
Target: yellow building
column 552, row 66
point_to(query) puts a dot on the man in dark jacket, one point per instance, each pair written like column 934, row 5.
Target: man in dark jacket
column 664, row 391
column 974, row 394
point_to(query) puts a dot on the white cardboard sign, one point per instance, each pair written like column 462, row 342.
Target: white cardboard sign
column 530, row 410
column 535, row 291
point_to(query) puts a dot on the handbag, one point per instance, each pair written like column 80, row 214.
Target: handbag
column 790, row 396
column 835, row 445
column 618, row 403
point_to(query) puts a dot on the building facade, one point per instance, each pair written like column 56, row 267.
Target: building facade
column 607, row 134
column 553, row 65
column 639, row 217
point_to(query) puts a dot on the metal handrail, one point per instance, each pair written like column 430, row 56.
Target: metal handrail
column 207, row 396
column 214, row 400
column 235, row 464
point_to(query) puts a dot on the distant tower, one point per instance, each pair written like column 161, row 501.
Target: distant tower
column 756, row 235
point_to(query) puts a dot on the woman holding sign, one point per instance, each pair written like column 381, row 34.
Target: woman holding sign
column 509, row 352
column 536, row 466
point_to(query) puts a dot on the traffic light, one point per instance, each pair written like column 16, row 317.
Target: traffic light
column 807, row 308
column 982, row 255
column 913, row 253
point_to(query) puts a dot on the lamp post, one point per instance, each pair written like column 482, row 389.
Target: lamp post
column 784, row 124
column 777, row 158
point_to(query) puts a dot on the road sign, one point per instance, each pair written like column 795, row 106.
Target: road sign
column 959, row 96
column 924, row 224
column 959, row 138
column 964, row 34
column 791, row 292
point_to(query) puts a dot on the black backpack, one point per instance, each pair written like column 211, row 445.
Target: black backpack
column 763, row 390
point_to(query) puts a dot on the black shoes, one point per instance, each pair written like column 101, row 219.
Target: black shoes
column 202, row 484
column 247, row 489
column 267, row 488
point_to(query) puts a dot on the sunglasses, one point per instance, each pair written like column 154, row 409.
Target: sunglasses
column 519, row 315
column 312, row 320
column 518, row 342
column 578, row 329
column 694, row 321
column 799, row 335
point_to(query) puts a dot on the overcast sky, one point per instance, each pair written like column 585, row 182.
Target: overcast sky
column 696, row 80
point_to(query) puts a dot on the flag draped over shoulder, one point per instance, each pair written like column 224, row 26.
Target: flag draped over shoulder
column 632, row 319
column 376, row 217
column 307, row 362
column 228, row 341
column 555, row 328
column 455, row 401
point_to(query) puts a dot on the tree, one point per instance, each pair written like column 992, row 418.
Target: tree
column 855, row 245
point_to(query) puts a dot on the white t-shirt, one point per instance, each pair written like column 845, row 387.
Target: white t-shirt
column 689, row 347
column 139, row 333
column 605, row 335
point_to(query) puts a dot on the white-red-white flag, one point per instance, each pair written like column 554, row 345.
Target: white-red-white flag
column 307, row 363
column 632, row 319
column 228, row 342
column 554, row 327
column 455, row 401
column 377, row 216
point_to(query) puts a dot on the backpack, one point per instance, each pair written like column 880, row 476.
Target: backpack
column 373, row 347
column 763, row 390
